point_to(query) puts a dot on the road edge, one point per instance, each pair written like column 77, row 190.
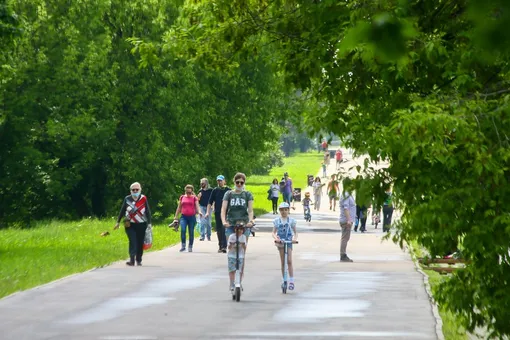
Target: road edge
column 433, row 303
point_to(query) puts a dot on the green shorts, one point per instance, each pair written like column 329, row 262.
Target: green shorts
column 232, row 264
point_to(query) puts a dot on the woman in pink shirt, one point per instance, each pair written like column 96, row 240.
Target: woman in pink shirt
column 188, row 208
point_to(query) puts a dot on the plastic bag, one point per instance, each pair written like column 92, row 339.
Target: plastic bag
column 198, row 227
column 147, row 242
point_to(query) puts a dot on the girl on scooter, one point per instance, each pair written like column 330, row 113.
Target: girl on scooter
column 239, row 234
column 284, row 228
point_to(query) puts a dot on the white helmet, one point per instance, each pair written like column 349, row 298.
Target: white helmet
column 284, row 205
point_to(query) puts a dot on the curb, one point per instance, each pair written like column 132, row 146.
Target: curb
column 433, row 304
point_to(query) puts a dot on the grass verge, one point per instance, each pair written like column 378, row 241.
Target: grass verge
column 298, row 166
column 54, row 249
column 452, row 326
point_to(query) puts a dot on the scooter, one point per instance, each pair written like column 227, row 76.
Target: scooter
column 238, row 288
column 285, row 265
column 308, row 215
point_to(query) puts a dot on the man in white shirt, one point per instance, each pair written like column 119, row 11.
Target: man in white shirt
column 347, row 216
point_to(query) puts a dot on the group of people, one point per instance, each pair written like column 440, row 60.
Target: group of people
column 283, row 187
column 233, row 211
column 327, row 159
column 234, row 208
column 332, row 190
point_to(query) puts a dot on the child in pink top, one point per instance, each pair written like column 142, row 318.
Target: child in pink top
column 188, row 208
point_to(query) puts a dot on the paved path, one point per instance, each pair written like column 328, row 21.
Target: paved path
column 185, row 295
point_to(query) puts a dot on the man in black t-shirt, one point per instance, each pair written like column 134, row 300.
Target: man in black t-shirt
column 216, row 199
column 203, row 200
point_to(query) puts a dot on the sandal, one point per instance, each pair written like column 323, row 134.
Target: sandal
column 291, row 286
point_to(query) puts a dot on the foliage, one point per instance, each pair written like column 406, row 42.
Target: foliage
column 421, row 84
column 294, row 140
column 273, row 157
column 91, row 102
column 54, row 249
column 452, row 326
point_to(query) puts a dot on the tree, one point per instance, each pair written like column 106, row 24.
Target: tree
column 422, row 84
column 93, row 103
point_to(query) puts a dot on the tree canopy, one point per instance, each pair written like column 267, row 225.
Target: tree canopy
column 423, row 84
column 91, row 102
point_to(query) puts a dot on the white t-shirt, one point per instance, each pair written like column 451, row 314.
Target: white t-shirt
column 275, row 190
column 232, row 240
column 317, row 190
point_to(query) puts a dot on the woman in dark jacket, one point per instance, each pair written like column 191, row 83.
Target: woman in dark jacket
column 137, row 219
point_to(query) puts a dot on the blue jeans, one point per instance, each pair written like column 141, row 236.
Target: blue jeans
column 189, row 222
column 287, row 197
column 205, row 224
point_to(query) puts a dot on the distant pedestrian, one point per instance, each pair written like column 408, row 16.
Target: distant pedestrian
column 347, row 216
column 137, row 219
column 326, row 158
column 387, row 210
column 339, row 158
column 188, row 208
column 324, row 169
column 216, row 200
column 274, row 193
column 317, row 192
column 287, row 188
column 324, row 145
column 361, row 218
column 203, row 200
column 333, row 191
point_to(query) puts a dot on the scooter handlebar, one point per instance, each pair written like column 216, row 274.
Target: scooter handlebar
column 242, row 226
column 282, row 241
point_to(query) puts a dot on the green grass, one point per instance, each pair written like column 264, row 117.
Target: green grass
column 298, row 167
column 452, row 326
column 55, row 249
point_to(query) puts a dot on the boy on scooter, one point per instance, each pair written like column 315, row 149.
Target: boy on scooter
column 239, row 233
column 307, row 201
column 284, row 228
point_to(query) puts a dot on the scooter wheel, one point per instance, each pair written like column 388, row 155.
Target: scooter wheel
column 284, row 288
column 238, row 294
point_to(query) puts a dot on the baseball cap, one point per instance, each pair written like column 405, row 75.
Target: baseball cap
column 284, row 205
column 220, row 178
